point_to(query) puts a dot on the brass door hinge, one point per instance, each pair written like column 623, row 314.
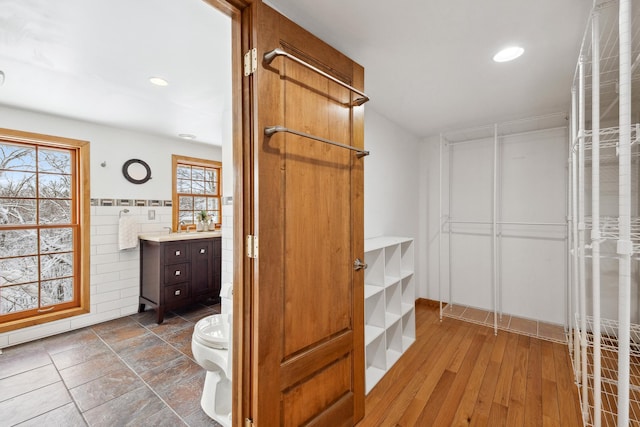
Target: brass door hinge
column 252, row 246
column 250, row 62
column 248, row 422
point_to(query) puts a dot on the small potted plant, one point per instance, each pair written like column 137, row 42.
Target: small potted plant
column 203, row 221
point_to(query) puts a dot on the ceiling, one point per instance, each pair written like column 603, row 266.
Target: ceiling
column 92, row 60
column 427, row 64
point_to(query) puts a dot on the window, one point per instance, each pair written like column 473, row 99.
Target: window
column 196, row 188
column 44, row 223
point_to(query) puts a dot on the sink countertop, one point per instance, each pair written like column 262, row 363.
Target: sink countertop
column 166, row 237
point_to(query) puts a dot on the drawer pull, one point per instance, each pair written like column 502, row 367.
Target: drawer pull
column 203, row 251
column 176, row 293
column 177, row 273
column 177, row 253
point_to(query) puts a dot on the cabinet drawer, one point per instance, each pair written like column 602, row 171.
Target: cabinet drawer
column 175, row 253
column 176, row 273
column 176, row 293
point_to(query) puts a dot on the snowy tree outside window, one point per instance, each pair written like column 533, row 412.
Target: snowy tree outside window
column 38, row 227
column 197, row 189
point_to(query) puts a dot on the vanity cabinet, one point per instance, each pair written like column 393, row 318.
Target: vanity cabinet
column 177, row 273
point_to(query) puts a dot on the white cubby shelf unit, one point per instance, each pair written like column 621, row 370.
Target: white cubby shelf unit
column 389, row 300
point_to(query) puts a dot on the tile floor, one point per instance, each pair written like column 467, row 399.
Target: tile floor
column 129, row 371
column 532, row 328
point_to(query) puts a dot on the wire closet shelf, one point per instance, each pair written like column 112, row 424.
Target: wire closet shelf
column 604, row 155
column 493, row 225
column 609, row 371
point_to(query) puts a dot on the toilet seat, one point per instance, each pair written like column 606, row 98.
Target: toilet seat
column 213, row 331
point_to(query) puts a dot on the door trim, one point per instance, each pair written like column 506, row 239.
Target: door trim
column 239, row 11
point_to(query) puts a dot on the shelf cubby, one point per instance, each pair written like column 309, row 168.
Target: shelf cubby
column 392, row 261
column 376, row 360
column 393, row 299
column 394, row 343
column 374, row 273
column 406, row 258
column 408, row 328
column 374, row 320
column 408, row 290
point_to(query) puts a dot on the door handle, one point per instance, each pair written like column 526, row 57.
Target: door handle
column 359, row 265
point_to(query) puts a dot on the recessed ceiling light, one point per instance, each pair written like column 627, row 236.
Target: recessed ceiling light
column 158, row 81
column 186, row 136
column 508, row 54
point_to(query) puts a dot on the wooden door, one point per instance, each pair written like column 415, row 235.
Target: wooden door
column 307, row 311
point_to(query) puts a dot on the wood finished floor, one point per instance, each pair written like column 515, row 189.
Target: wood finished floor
column 459, row 374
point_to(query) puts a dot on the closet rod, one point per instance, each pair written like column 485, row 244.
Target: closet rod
column 558, row 224
column 453, row 132
column 504, row 135
column 270, row 130
column 270, row 56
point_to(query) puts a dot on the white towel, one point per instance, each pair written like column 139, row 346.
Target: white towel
column 127, row 232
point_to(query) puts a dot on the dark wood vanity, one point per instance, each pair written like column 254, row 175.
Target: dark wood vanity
column 177, row 270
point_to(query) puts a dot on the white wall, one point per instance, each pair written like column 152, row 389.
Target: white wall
column 114, row 276
column 114, row 146
column 391, row 183
column 532, row 188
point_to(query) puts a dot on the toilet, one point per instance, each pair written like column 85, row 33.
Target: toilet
column 210, row 345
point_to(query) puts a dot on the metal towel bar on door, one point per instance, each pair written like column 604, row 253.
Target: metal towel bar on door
column 269, row 56
column 270, row 130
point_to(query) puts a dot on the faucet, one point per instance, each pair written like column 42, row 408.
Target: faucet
column 168, row 228
column 180, row 224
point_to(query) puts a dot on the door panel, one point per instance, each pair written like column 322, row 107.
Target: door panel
column 307, row 353
column 316, row 180
column 308, row 398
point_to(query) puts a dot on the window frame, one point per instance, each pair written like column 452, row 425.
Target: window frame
column 80, row 211
column 177, row 160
